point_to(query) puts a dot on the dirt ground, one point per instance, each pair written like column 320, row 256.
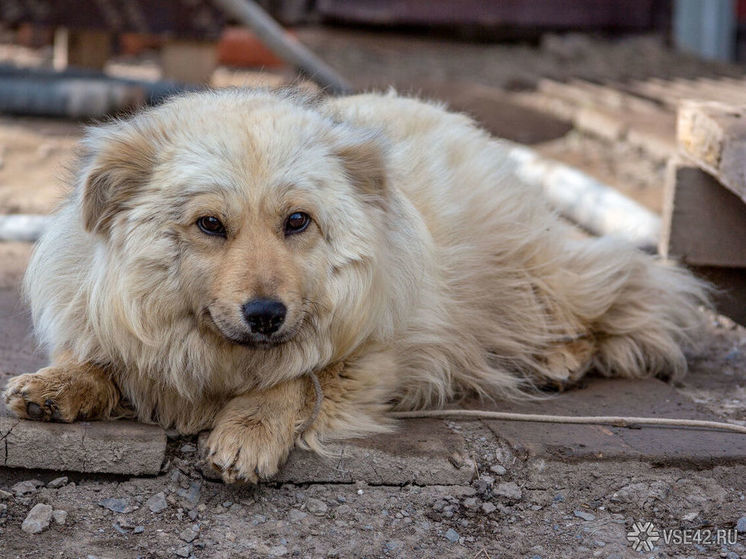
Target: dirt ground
column 521, row 506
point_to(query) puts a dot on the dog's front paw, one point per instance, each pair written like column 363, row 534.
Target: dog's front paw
column 247, row 451
column 60, row 394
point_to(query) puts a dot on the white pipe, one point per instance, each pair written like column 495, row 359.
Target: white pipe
column 22, row 227
column 596, row 207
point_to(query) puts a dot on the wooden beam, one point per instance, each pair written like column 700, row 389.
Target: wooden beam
column 714, row 136
column 703, row 223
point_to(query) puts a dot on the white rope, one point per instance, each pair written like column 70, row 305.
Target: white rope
column 617, row 421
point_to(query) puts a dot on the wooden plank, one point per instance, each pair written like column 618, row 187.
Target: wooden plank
column 714, row 136
column 616, row 116
column 703, row 223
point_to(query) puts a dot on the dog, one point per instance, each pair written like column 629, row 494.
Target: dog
column 222, row 252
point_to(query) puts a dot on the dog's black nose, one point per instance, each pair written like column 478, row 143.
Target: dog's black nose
column 264, row 316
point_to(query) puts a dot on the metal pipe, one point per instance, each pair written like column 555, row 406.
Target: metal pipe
column 284, row 45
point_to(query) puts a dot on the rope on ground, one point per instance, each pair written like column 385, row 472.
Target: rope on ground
column 616, row 421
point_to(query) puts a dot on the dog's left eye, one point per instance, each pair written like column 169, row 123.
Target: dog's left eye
column 211, row 225
column 296, row 222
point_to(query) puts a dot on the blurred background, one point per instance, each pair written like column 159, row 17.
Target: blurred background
column 593, row 84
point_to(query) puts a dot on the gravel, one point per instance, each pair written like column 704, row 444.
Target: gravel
column 60, row 516
column 452, row 535
column 488, row 508
column 296, row 515
column 57, row 482
column 741, row 524
column 509, row 490
column 116, row 505
column 316, row 506
column 37, row 519
column 584, row 515
column 26, row 487
column 157, row 503
column 498, row 470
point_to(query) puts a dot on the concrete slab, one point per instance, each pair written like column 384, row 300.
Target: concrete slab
column 120, row 447
column 420, row 452
column 652, row 398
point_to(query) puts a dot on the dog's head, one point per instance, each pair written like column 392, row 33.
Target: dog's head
column 238, row 211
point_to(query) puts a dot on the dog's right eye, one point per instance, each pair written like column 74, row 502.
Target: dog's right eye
column 211, row 225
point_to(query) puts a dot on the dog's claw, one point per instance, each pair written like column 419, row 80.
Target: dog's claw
column 34, row 410
column 54, row 411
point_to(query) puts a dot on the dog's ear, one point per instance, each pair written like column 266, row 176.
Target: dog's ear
column 363, row 158
column 117, row 162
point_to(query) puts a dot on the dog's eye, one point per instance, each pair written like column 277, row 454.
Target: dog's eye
column 296, row 222
column 211, row 225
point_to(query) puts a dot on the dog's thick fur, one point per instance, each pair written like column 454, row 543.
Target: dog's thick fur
column 428, row 272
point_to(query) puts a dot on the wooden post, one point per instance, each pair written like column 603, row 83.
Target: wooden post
column 82, row 48
column 189, row 61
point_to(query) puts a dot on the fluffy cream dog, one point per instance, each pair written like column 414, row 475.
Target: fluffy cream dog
column 219, row 247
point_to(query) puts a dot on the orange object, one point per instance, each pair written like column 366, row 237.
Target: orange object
column 241, row 47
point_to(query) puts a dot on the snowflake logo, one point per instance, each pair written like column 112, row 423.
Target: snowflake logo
column 643, row 536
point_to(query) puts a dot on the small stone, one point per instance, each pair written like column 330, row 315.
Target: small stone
column 5, row 495
column 192, row 514
column 116, row 505
column 452, row 535
column 393, row 545
column 185, row 551
column 484, row 484
column 488, row 508
column 157, row 503
column 25, row 487
column 509, row 490
column 124, row 522
column 138, row 530
column 189, row 535
column 278, row 551
column 688, row 517
column 498, row 469
column 227, row 504
column 341, row 499
column 296, row 515
column 472, row 503
column 57, row 482
column 584, row 515
column 316, row 506
column 192, row 494
column 741, row 525
column 188, row 448
column 37, row 519
column 60, row 516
